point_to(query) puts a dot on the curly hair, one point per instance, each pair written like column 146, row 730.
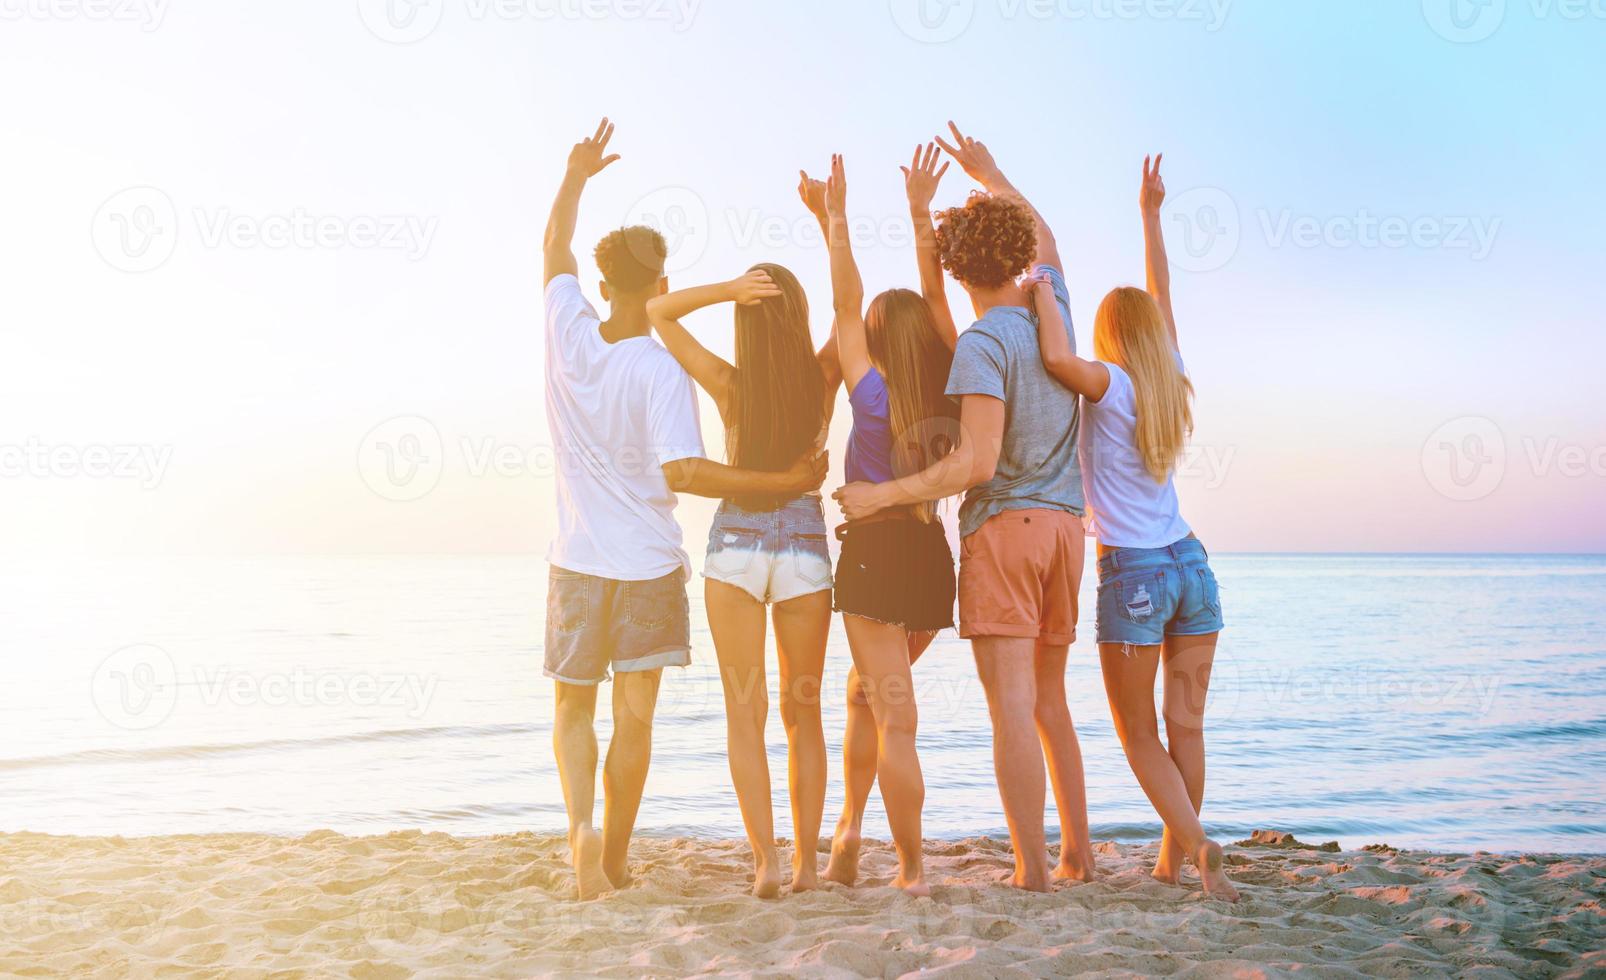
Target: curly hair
column 988, row 243
column 631, row 259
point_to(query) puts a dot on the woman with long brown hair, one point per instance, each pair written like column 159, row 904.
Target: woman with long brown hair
column 766, row 553
column 895, row 576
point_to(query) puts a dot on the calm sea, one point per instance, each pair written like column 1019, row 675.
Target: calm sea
column 1442, row 702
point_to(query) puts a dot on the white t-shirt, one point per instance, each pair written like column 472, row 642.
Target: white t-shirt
column 618, row 413
column 1130, row 510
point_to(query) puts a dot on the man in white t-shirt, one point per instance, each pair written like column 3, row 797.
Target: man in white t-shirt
column 623, row 416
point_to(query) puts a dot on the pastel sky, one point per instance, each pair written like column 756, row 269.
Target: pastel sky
column 269, row 273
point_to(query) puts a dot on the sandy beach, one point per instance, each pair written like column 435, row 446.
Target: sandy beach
column 428, row 904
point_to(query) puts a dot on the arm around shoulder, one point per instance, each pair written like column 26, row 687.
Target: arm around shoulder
column 1087, row 378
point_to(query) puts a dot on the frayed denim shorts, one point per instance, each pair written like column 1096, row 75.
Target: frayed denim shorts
column 593, row 623
column 772, row 555
column 1148, row 594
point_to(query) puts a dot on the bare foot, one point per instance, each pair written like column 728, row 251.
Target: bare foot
column 619, row 875
column 589, row 878
column 1069, row 870
column 844, row 865
column 766, row 877
column 805, row 873
column 1168, row 866
column 1208, row 860
column 1031, row 880
column 914, row 885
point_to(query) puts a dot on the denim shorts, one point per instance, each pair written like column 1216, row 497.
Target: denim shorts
column 1148, row 594
column 772, row 555
column 592, row 623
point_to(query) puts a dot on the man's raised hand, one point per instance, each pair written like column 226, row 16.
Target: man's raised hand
column 590, row 156
column 973, row 156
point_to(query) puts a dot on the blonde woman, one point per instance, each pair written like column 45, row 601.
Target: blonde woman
column 1158, row 601
column 895, row 578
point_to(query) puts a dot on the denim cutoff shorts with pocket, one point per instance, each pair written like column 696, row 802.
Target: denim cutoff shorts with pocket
column 772, row 555
column 1148, row 594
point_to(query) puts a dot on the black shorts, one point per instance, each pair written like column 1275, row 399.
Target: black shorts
column 897, row 571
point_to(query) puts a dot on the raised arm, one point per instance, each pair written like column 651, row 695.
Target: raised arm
column 920, row 181
column 586, row 160
column 813, row 194
column 1089, row 379
column 978, row 162
column 847, row 288
column 973, row 462
column 711, row 372
column 1156, row 266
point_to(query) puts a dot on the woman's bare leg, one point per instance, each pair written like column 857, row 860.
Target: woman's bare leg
column 1129, row 683
column 858, row 774
column 802, row 626
column 859, row 749
column 1187, row 661
column 881, row 653
column 737, row 621
column 1064, row 753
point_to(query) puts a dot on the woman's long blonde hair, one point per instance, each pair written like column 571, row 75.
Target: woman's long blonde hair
column 903, row 345
column 1130, row 332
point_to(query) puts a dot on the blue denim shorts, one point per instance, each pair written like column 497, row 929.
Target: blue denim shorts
column 593, row 623
column 1148, row 594
column 772, row 555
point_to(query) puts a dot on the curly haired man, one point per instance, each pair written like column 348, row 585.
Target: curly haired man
column 1022, row 544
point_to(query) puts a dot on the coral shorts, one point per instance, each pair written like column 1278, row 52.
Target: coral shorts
column 1019, row 574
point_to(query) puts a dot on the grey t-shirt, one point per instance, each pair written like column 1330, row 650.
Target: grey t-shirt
column 1037, row 466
